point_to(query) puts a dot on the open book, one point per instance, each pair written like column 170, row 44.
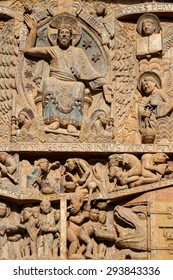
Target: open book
column 149, row 45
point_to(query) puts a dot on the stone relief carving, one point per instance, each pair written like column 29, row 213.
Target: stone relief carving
column 33, row 232
column 64, row 90
column 154, row 106
column 151, row 43
column 86, row 159
column 78, row 176
column 41, row 177
column 8, row 167
column 132, row 241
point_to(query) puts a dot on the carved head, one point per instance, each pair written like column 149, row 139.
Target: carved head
column 3, row 209
column 102, row 217
column 148, row 85
column 148, row 27
column 94, row 215
column 99, row 115
column 26, row 214
column 45, row 206
column 25, row 115
column 64, row 36
column 3, row 157
column 21, row 117
column 70, row 164
column 160, row 157
column 43, row 163
column 148, row 81
column 148, row 24
column 56, row 215
column 100, row 9
column 113, row 162
column 69, row 30
column 77, row 200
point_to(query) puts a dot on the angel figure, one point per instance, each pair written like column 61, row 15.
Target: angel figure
column 106, row 19
column 155, row 106
column 101, row 125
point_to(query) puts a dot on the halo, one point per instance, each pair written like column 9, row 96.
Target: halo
column 148, row 16
column 64, row 19
column 149, row 74
column 28, row 113
column 97, row 113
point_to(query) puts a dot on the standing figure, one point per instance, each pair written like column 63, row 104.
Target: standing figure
column 78, row 216
column 30, row 224
column 48, row 227
column 56, row 241
column 86, row 233
column 4, row 213
column 103, row 234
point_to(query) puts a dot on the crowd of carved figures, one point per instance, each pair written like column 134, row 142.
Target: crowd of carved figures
column 32, row 232
column 97, row 233
column 77, row 74
column 84, row 76
column 77, row 175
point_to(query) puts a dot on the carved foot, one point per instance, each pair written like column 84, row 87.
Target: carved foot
column 120, row 188
column 71, row 128
column 53, row 126
column 91, row 257
column 47, row 190
column 76, row 257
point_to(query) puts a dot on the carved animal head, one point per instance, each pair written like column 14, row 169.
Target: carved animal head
column 131, row 226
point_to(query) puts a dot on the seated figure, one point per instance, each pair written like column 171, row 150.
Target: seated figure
column 70, row 72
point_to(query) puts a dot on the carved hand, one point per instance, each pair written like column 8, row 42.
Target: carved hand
column 30, row 22
column 146, row 113
column 108, row 93
column 37, row 181
column 53, row 8
column 2, row 230
column 55, row 165
column 161, row 168
column 81, row 181
column 69, row 176
column 3, row 169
